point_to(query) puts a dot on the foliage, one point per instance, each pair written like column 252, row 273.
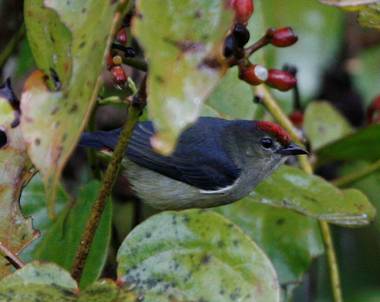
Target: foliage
column 256, row 249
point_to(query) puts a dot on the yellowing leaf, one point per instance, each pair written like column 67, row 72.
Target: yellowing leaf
column 182, row 40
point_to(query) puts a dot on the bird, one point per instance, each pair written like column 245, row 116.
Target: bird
column 215, row 162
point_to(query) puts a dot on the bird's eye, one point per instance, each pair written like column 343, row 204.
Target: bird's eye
column 267, row 142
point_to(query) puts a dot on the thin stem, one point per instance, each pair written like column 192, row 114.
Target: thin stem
column 111, row 172
column 105, row 191
column 279, row 115
column 11, row 257
column 357, row 175
column 9, row 48
column 256, row 46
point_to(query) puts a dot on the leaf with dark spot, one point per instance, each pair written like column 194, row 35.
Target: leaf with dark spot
column 69, row 47
column 185, row 60
column 178, row 261
column 16, row 232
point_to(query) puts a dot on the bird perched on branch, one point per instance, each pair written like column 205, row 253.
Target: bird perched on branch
column 215, row 162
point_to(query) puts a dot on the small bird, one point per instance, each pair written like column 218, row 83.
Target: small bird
column 215, row 162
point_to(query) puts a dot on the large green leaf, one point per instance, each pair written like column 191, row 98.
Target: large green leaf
column 38, row 282
column 308, row 194
column 182, row 40
column 70, row 39
column 46, row 282
column 195, row 256
column 67, row 232
column 16, row 232
column 319, row 30
column 323, row 124
column 290, row 240
column 364, row 144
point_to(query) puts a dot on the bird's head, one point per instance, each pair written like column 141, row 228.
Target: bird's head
column 265, row 145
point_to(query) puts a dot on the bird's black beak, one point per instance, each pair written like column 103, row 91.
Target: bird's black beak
column 292, row 149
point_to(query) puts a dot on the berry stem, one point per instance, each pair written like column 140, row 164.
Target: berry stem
column 270, row 103
column 264, row 41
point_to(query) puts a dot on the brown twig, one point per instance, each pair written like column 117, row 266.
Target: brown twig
column 134, row 112
column 11, row 257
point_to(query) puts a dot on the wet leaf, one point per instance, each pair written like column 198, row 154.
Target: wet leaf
column 175, row 255
column 310, row 195
column 290, row 240
column 323, row 124
column 38, row 282
column 185, row 60
column 67, row 231
column 16, row 231
column 364, row 144
column 53, row 120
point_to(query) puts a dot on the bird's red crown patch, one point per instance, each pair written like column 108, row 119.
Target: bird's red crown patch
column 282, row 136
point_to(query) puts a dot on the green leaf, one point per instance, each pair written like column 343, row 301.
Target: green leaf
column 366, row 72
column 290, row 240
column 364, row 144
column 324, row 124
column 71, row 38
column 311, row 195
column 33, row 204
column 185, row 60
column 46, row 282
column 319, row 30
column 16, row 232
column 369, row 185
column 195, row 255
column 38, row 282
column 67, row 232
column 370, row 16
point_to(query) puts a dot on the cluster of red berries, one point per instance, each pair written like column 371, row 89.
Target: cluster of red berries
column 115, row 59
column 239, row 36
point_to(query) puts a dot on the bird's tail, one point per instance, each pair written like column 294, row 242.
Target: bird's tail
column 99, row 139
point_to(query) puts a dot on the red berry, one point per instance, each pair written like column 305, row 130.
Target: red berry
column 118, row 75
column 122, row 36
column 253, row 74
column 281, row 80
column 243, row 10
column 297, row 118
column 283, row 37
column 373, row 112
